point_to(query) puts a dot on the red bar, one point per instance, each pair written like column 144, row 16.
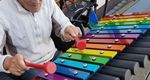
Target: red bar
column 110, row 41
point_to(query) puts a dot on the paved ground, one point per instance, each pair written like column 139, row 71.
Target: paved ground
column 142, row 5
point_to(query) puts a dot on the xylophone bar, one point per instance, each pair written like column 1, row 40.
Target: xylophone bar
column 122, row 27
column 74, row 73
column 114, row 36
column 145, row 22
column 125, row 31
column 101, row 53
column 110, row 41
column 125, row 16
column 52, row 77
column 128, row 14
column 110, row 47
column 86, row 58
column 79, row 65
column 124, row 20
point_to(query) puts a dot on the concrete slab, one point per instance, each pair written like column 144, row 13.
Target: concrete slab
column 141, row 5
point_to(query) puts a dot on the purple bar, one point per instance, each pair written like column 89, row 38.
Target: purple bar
column 53, row 77
column 130, row 36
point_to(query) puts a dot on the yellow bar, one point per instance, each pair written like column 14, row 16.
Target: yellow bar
column 124, row 20
column 101, row 53
column 148, row 18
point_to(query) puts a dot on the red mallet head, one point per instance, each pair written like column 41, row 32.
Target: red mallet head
column 80, row 44
column 49, row 67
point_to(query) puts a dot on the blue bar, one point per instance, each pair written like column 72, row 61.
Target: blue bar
column 81, row 75
column 123, row 31
column 124, row 27
column 77, row 64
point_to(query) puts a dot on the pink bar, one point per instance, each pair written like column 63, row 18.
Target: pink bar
column 129, row 36
column 53, row 77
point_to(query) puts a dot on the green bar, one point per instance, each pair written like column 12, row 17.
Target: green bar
column 145, row 22
column 86, row 58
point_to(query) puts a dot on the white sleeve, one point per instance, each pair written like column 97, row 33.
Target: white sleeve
column 2, row 43
column 59, row 16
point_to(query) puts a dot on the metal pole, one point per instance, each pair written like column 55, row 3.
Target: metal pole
column 105, row 8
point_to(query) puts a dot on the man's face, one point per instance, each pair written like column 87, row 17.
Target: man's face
column 31, row 5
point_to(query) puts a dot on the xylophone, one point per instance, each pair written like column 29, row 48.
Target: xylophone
column 118, row 50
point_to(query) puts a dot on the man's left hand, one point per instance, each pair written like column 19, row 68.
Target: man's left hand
column 71, row 31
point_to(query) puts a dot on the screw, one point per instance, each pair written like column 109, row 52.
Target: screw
column 85, row 65
column 116, row 40
column 69, row 55
column 109, row 46
column 93, row 35
column 129, row 30
column 75, row 72
column 141, row 21
column 145, row 17
column 87, row 39
column 122, row 35
column 102, row 28
column 45, row 74
column 97, row 31
column 135, row 26
column 62, row 61
column 93, row 58
column 101, row 52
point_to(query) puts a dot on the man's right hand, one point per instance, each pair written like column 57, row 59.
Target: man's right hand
column 15, row 65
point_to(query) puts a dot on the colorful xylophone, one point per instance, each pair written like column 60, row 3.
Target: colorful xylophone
column 114, row 51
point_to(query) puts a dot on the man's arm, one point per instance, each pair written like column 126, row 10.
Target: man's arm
column 67, row 28
column 15, row 64
column 59, row 16
column 2, row 43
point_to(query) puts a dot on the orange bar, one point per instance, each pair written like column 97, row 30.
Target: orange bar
column 124, row 17
column 110, row 41
column 111, row 47
column 128, row 15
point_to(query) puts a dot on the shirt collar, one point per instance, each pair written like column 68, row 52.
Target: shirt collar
column 21, row 9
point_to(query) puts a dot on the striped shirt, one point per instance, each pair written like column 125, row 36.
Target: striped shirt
column 23, row 33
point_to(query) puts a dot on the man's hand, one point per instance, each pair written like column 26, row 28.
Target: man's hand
column 15, row 65
column 72, row 31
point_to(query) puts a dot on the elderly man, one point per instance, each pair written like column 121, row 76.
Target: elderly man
column 25, row 29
